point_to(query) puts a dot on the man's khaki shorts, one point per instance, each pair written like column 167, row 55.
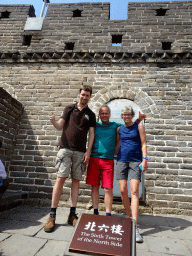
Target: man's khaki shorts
column 68, row 160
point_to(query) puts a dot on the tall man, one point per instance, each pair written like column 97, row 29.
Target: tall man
column 76, row 121
column 101, row 164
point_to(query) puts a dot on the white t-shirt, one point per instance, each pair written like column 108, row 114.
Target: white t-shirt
column 3, row 173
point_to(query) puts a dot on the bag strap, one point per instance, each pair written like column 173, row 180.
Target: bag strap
column 69, row 113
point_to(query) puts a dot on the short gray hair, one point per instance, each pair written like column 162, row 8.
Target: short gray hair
column 127, row 109
column 105, row 106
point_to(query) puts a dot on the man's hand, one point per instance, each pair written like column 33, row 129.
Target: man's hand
column 57, row 124
column 117, row 148
column 86, row 157
column 141, row 116
column 52, row 118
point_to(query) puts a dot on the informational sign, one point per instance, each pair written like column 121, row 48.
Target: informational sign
column 103, row 235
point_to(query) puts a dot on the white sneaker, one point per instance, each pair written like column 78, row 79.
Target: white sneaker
column 139, row 238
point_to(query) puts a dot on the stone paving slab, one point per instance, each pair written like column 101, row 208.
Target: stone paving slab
column 35, row 215
column 53, row 248
column 21, row 227
column 170, row 232
column 181, row 233
column 19, row 245
column 142, row 246
column 147, row 253
column 149, row 231
column 167, row 245
column 165, row 220
column 61, row 233
column 152, row 221
column 188, row 243
column 4, row 236
column 179, row 221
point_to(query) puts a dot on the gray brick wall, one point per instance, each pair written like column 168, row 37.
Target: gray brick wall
column 143, row 31
column 45, row 77
column 10, row 116
column 168, row 126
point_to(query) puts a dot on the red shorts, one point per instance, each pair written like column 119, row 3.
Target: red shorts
column 100, row 169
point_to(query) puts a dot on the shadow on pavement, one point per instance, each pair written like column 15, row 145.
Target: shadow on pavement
column 23, row 217
column 154, row 224
column 150, row 224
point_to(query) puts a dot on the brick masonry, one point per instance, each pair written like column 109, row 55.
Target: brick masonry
column 45, row 76
column 11, row 111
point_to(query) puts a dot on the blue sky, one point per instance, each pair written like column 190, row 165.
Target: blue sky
column 118, row 9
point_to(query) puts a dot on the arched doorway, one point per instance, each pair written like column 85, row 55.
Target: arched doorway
column 116, row 106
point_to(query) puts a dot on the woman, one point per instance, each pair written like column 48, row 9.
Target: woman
column 131, row 157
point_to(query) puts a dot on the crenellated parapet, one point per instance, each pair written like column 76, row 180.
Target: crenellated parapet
column 150, row 27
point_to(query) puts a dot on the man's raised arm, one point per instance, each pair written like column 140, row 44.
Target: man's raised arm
column 57, row 124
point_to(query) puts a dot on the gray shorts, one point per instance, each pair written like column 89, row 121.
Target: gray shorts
column 123, row 169
column 68, row 160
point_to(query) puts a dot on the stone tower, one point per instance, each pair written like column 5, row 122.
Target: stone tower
column 146, row 59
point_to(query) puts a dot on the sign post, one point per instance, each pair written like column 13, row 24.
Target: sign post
column 103, row 235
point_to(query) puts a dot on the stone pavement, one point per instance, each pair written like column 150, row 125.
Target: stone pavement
column 22, row 233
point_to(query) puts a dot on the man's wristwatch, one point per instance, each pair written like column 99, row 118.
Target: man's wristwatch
column 145, row 157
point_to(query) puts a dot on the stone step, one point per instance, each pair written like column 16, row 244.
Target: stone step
column 116, row 207
column 12, row 199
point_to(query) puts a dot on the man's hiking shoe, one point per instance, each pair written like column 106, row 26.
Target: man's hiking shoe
column 139, row 238
column 49, row 226
column 72, row 219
